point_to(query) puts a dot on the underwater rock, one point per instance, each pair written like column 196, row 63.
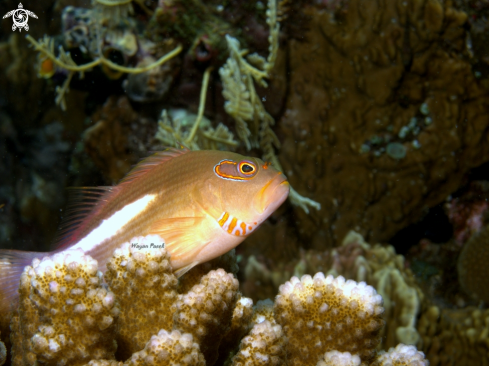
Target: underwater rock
column 148, row 86
column 433, row 265
column 477, row 38
column 3, row 353
column 119, row 137
column 396, row 150
column 33, row 171
column 473, row 268
column 455, row 337
column 368, row 70
column 468, row 213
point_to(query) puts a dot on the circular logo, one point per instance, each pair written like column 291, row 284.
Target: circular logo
column 20, row 18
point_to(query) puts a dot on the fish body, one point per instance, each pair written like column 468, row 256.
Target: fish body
column 202, row 203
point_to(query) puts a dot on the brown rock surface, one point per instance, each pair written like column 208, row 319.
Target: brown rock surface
column 362, row 74
column 118, row 138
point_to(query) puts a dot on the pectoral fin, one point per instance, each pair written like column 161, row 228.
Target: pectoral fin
column 183, row 237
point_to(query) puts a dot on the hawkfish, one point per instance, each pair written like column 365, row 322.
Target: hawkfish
column 201, row 203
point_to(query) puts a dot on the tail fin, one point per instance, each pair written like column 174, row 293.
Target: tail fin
column 12, row 263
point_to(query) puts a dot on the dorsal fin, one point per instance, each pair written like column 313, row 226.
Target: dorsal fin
column 81, row 201
column 148, row 163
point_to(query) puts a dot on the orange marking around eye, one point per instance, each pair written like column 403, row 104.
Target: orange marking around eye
column 232, row 225
column 223, row 220
column 247, row 163
column 227, row 162
column 219, row 173
column 243, row 227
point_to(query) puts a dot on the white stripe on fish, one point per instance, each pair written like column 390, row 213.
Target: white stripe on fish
column 114, row 224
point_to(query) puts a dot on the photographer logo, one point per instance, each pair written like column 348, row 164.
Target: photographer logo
column 20, row 18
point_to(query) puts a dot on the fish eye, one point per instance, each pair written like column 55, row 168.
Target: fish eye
column 246, row 168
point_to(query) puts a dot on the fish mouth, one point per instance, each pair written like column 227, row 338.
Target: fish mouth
column 272, row 195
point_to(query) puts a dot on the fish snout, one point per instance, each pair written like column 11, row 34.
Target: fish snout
column 272, row 195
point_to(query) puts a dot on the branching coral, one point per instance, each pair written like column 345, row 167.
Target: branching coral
column 65, row 315
column 240, row 326
column 206, row 311
column 265, row 345
column 377, row 265
column 402, row 355
column 263, row 310
column 165, row 348
column 323, row 314
column 62, row 304
column 168, row 348
column 142, row 279
column 336, row 358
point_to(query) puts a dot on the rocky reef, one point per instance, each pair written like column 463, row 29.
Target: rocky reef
column 385, row 115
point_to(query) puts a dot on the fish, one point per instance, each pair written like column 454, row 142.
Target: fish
column 201, row 203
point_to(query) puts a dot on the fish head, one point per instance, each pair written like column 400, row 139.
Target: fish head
column 250, row 190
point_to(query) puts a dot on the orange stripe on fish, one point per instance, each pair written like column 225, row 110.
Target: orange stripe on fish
column 235, row 226
column 224, row 217
column 243, row 227
column 232, row 225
